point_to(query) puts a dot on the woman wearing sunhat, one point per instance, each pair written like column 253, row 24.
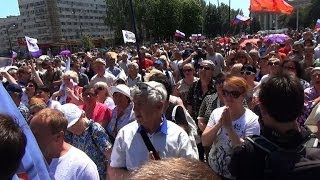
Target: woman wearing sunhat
column 123, row 113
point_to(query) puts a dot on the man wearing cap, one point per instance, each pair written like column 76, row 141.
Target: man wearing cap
column 15, row 91
column 168, row 139
column 64, row 160
column 88, row 136
column 99, row 66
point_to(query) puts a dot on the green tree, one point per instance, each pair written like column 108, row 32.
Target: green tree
column 87, row 42
column 191, row 17
column 212, row 21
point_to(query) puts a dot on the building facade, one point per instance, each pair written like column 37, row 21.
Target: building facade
column 58, row 22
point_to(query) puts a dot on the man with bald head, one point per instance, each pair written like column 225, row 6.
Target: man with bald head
column 64, row 161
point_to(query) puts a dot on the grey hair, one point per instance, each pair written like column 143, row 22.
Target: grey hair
column 154, row 91
column 134, row 65
column 100, row 84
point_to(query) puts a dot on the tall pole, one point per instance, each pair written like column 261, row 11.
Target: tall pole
column 297, row 23
column 229, row 14
column 137, row 37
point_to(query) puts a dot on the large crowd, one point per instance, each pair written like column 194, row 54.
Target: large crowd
column 225, row 108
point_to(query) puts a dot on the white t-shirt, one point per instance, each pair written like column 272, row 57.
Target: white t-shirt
column 220, row 153
column 74, row 165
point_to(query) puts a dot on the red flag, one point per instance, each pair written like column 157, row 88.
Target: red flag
column 276, row 6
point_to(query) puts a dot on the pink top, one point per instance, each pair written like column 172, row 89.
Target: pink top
column 100, row 112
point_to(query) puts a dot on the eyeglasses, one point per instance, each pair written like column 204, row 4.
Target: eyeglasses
column 289, row 67
column 205, row 68
column 248, row 73
column 233, row 94
column 86, row 94
column 187, row 70
column 273, row 63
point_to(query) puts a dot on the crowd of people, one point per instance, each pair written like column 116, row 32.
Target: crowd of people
column 189, row 110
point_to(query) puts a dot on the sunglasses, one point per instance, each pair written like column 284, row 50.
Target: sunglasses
column 86, row 94
column 233, row 94
column 187, row 70
column 248, row 73
column 30, row 85
column 219, row 81
column 205, row 68
column 273, row 63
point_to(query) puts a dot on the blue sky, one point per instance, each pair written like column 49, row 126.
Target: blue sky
column 10, row 7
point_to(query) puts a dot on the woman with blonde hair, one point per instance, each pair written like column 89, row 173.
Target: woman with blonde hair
column 103, row 95
column 229, row 125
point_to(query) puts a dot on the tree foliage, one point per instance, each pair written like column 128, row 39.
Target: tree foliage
column 87, row 42
column 157, row 20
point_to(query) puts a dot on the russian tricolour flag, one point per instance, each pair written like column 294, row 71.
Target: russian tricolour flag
column 179, row 34
column 318, row 24
column 239, row 19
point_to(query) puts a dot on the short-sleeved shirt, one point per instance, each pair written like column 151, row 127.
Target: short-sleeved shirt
column 146, row 63
column 129, row 150
column 218, row 60
column 75, row 164
column 107, row 78
column 100, row 112
column 116, row 123
column 220, row 153
column 196, row 96
column 94, row 142
column 183, row 89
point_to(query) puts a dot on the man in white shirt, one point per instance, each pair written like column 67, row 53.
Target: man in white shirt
column 64, row 161
column 217, row 59
column 102, row 75
column 168, row 139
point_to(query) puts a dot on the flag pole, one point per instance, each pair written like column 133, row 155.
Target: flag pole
column 137, row 37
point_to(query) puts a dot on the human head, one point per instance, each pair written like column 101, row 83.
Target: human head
column 315, row 77
column 48, row 127
column 70, row 75
column 24, row 73
column 101, row 89
column 44, row 93
column 36, row 105
column 46, row 64
column 31, row 88
column 248, row 72
column 282, row 98
column 74, row 116
column 163, row 79
column 12, row 146
column 234, row 90
column 99, row 66
column 121, row 95
column 15, row 91
column 292, row 67
column 172, row 169
column 188, row 70
column 89, row 95
column 149, row 99
column 206, row 69
column 133, row 69
column 274, row 65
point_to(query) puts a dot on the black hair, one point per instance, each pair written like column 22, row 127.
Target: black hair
column 12, row 146
column 248, row 67
column 161, row 78
column 297, row 65
column 283, row 97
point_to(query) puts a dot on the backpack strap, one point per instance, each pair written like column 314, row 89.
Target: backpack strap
column 173, row 115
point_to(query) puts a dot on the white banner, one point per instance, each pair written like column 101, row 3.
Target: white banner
column 32, row 44
column 128, row 36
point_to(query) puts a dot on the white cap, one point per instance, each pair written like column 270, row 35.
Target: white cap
column 72, row 112
column 121, row 88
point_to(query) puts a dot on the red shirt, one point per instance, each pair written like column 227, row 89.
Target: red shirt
column 146, row 64
column 100, row 112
